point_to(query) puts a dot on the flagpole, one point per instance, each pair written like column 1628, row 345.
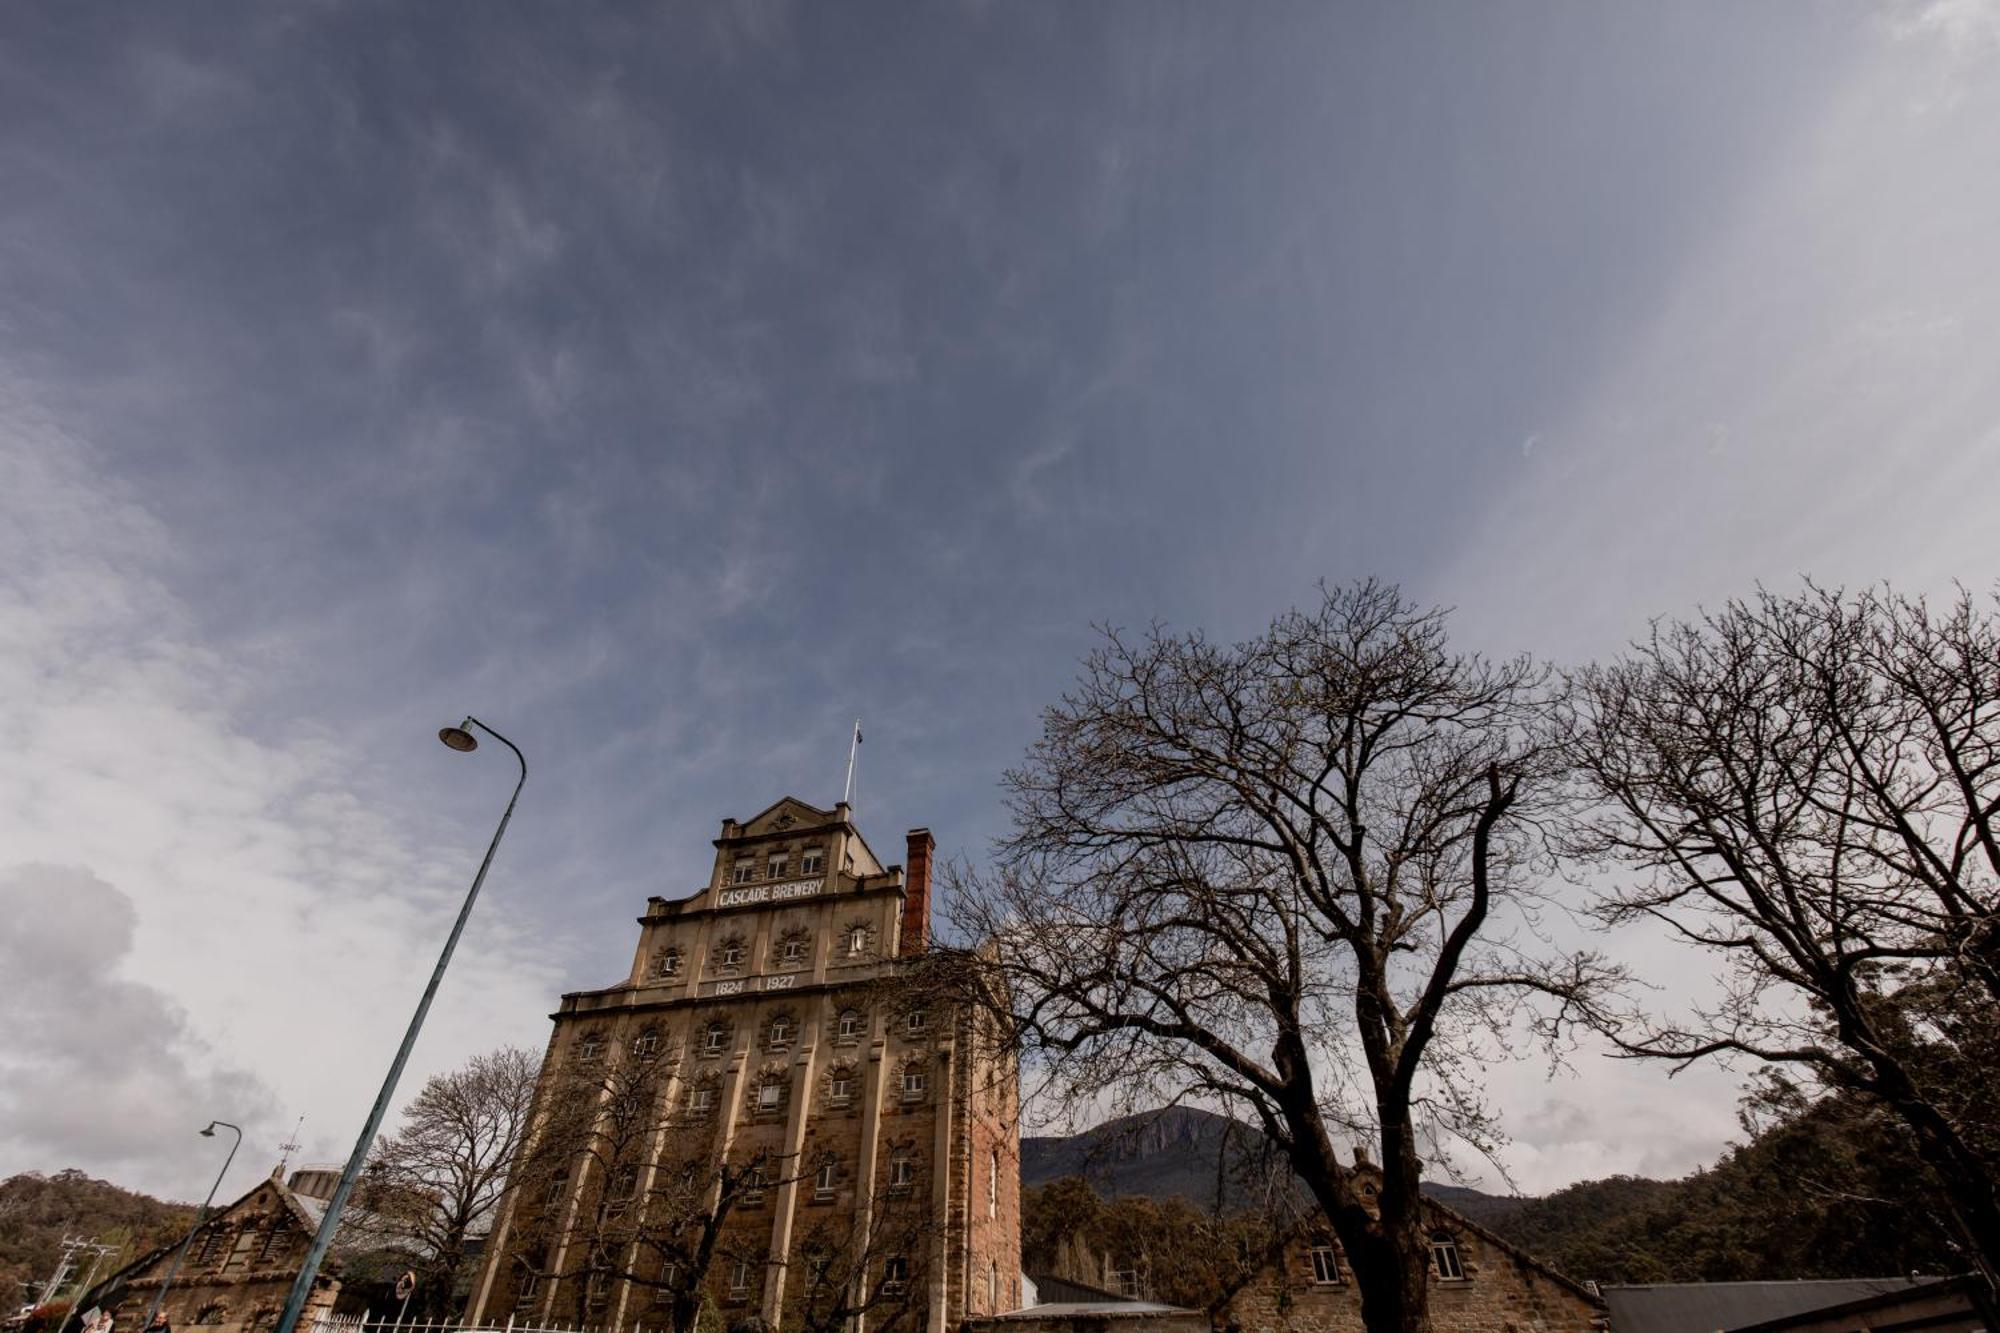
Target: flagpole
column 847, row 788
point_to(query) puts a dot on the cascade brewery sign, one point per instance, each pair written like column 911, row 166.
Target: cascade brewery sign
column 765, row 893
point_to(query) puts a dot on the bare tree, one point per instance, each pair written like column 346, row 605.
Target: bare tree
column 874, row 1263
column 431, row 1188
column 1298, row 876
column 625, row 1183
column 1808, row 786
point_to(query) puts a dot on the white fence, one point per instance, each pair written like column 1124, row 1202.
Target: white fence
column 368, row 1322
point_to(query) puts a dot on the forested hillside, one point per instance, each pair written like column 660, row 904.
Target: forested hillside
column 1829, row 1189
column 37, row 1211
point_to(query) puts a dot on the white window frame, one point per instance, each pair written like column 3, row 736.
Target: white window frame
column 902, row 1170
column 739, row 1278
column 701, row 1097
column 1446, row 1261
column 849, row 1025
column 826, row 1179
column 916, row 1021
column 730, row 954
column 781, row 1030
column 743, row 871
column 777, row 866
column 1326, row 1266
column 797, row 950
column 840, row 1088
column 591, row 1047
column 646, row 1045
column 915, row 1083
column 670, row 963
column 770, row 1095
column 812, row 862
column 895, row 1274
column 714, row 1038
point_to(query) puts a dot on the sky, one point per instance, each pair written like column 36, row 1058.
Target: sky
column 669, row 386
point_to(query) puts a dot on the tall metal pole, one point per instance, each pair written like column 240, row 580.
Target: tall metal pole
column 316, row 1254
column 199, row 1218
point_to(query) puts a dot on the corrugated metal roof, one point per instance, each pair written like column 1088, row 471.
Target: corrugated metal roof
column 1709, row 1307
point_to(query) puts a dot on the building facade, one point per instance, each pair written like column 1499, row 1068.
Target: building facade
column 239, row 1267
column 767, row 1118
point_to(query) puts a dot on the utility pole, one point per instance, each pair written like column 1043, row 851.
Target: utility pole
column 72, row 1246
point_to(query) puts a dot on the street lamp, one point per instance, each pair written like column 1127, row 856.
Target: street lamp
column 459, row 738
column 199, row 1217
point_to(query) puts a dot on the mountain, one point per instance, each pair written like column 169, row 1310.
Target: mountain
column 1183, row 1152
column 36, row 1211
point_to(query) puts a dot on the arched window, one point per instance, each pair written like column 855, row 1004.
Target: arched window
column 857, row 941
column 1445, row 1258
column 840, row 1085
column 915, row 1081
column 730, row 954
column 669, row 965
column 849, row 1025
column 715, row 1038
column 647, row 1044
column 781, row 1030
column 590, row 1047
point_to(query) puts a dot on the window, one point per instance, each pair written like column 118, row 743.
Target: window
column 553, row 1195
column 646, row 1045
column 770, row 1095
column 211, row 1314
column 779, row 863
column 895, row 1274
column 796, row 949
column 714, row 1037
column 739, row 1278
column 625, row 1182
column 755, row 1184
column 915, row 1021
column 850, row 1025
column 743, row 872
column 730, row 954
column 1444, row 1256
column 813, row 862
column 274, row 1240
column 1326, row 1265
column 913, row 1083
column 826, row 1178
column 701, row 1099
column 902, row 1170
column 993, row 1185
column 207, row 1246
column 530, row 1286
column 781, row 1030
column 591, row 1047
column 670, row 963
column 857, row 941
column 1126, row 1282
column 840, row 1087
column 596, row 1287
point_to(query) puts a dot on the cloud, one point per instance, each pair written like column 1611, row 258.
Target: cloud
column 277, row 900
column 98, row 1068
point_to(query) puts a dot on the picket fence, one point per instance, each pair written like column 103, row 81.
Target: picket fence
column 366, row 1322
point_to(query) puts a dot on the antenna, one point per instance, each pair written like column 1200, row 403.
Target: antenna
column 290, row 1146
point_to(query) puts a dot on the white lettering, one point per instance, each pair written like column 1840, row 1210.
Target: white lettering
column 763, row 893
column 728, row 988
column 779, row 983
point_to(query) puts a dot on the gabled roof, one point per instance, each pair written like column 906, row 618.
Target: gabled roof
column 306, row 1212
column 1513, row 1251
column 1708, row 1307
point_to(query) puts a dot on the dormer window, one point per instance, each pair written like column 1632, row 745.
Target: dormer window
column 812, row 862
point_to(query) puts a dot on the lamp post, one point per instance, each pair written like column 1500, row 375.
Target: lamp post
column 199, row 1217
column 459, row 738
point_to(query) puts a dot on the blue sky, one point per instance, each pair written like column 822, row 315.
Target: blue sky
column 669, row 386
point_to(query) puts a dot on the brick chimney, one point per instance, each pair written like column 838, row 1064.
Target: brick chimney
column 917, row 891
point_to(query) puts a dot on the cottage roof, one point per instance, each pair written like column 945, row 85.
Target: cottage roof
column 1709, row 1307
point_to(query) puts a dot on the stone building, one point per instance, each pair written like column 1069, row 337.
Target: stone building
column 239, row 1268
column 766, row 1098
column 1478, row 1284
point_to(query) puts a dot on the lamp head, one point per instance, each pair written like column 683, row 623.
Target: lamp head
column 209, row 1133
column 460, row 737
